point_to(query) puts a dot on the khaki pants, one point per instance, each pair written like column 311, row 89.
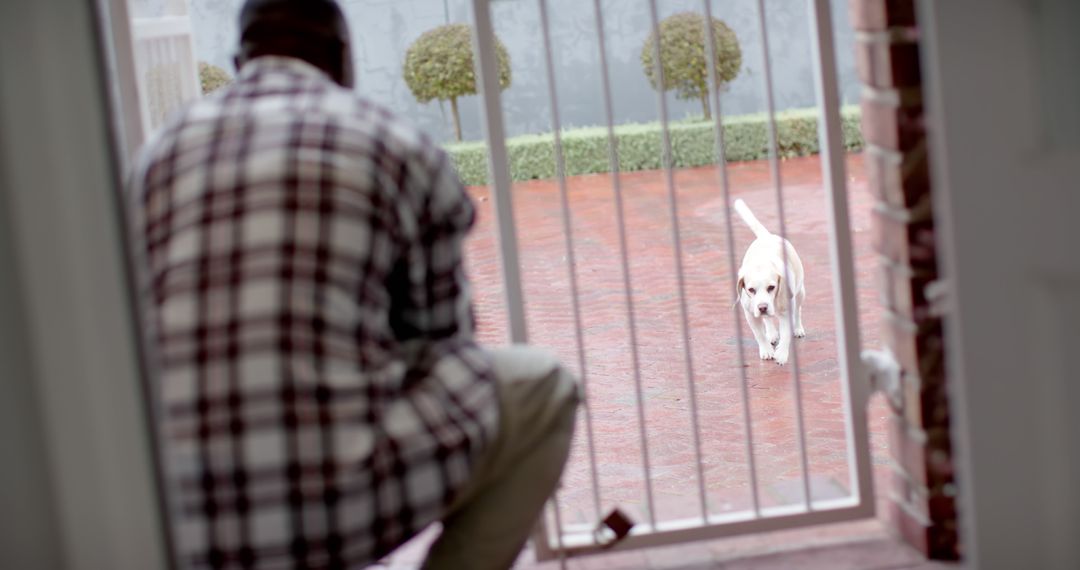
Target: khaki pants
column 489, row 523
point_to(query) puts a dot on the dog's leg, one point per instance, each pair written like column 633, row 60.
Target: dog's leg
column 797, row 307
column 765, row 349
column 772, row 334
column 783, row 348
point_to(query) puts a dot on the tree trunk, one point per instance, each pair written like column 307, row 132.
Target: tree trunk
column 705, row 105
column 457, row 118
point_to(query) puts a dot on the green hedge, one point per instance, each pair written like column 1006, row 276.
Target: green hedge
column 532, row 157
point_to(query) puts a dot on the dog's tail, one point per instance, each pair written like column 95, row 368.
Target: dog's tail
column 751, row 220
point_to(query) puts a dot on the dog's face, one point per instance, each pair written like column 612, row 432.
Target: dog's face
column 759, row 291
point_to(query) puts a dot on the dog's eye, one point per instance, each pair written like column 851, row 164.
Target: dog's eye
column 751, row 290
column 772, row 288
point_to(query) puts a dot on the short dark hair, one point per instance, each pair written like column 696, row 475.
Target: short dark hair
column 311, row 30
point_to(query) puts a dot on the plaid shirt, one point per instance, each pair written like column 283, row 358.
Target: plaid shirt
column 321, row 396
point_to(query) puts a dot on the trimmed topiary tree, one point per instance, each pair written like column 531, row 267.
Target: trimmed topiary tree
column 682, row 53
column 212, row 77
column 439, row 65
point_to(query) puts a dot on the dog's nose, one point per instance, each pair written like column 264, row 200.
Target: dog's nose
column 763, row 308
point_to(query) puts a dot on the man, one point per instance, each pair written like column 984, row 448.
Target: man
column 322, row 397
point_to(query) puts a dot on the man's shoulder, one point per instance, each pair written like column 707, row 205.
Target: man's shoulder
column 176, row 126
column 394, row 132
column 361, row 124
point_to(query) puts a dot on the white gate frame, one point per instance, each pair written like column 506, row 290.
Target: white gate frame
column 574, row 540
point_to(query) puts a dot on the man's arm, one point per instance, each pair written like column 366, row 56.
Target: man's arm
column 431, row 291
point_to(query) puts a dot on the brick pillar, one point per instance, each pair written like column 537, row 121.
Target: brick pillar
column 922, row 505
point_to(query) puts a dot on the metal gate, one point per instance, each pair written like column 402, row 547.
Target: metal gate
column 165, row 65
column 554, row 539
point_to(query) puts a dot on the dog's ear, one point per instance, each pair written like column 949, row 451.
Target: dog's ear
column 782, row 296
column 738, row 291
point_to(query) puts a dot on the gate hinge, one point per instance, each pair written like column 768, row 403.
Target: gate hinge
column 883, row 372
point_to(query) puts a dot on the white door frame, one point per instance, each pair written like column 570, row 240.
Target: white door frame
column 82, row 429
column 1006, row 200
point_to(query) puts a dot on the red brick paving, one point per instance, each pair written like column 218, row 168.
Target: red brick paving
column 609, row 376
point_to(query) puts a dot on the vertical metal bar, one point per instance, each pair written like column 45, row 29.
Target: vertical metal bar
column 191, row 63
column 488, row 74
column 142, row 56
column 568, row 232
column 721, row 170
column 176, row 70
column 830, row 135
column 127, row 115
column 774, row 165
column 624, row 255
column 673, row 202
column 158, row 87
column 166, row 77
column 559, row 529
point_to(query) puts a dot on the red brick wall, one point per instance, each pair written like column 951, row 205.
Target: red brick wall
column 922, row 504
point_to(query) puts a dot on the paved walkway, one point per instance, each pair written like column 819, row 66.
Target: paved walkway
column 609, row 372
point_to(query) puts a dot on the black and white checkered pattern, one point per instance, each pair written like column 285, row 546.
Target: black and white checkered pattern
column 322, row 396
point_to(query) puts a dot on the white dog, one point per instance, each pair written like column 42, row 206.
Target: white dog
column 767, row 293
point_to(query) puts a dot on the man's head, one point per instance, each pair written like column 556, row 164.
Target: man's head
column 312, row 30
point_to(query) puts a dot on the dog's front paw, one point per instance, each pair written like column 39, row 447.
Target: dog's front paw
column 765, row 352
column 800, row 332
column 781, row 356
column 774, row 338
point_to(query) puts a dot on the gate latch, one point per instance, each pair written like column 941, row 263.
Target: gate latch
column 884, row 375
column 615, row 527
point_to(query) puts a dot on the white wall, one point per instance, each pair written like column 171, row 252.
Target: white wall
column 383, row 29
